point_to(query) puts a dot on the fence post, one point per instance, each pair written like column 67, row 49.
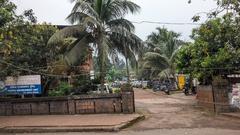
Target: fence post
column 128, row 105
column 71, row 106
column 220, row 95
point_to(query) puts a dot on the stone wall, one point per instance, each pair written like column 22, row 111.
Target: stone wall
column 205, row 97
column 221, row 95
column 214, row 97
column 87, row 104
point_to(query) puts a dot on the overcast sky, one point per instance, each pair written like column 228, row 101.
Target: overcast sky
column 171, row 11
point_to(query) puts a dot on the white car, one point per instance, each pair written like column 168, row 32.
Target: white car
column 138, row 84
column 144, row 84
column 107, row 89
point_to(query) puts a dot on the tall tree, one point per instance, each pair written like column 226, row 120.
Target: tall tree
column 23, row 43
column 102, row 23
column 7, row 12
column 215, row 50
column 161, row 58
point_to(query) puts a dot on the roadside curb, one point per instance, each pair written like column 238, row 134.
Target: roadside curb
column 131, row 122
column 113, row 128
column 55, row 129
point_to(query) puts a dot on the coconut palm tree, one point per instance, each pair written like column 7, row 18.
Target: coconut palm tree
column 160, row 59
column 102, row 24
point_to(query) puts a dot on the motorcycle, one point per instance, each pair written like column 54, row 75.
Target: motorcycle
column 166, row 89
column 186, row 90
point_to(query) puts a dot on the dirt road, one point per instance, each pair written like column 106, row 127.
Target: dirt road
column 175, row 114
column 176, row 111
column 197, row 131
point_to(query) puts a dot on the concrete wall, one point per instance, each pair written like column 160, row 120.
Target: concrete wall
column 205, row 97
column 88, row 104
column 214, row 97
column 221, row 96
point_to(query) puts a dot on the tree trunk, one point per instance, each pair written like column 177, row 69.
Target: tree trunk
column 126, row 58
column 175, row 81
column 137, row 70
column 102, row 59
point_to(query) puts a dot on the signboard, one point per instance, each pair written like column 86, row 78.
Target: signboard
column 181, row 81
column 30, row 84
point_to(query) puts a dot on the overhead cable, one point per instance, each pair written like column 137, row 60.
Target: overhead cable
column 165, row 23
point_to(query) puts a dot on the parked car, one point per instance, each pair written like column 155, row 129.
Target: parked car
column 107, row 89
column 144, row 84
column 136, row 84
column 150, row 84
column 116, row 85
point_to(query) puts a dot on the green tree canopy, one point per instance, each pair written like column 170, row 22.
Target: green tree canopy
column 215, row 50
column 160, row 59
column 7, row 12
column 102, row 23
column 23, row 43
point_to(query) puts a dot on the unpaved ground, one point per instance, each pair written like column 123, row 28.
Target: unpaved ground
column 176, row 111
column 176, row 114
column 198, row 131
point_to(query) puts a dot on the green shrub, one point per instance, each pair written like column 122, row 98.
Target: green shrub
column 63, row 89
column 82, row 85
column 116, row 90
column 126, row 87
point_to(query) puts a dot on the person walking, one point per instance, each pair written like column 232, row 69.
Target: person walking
column 194, row 88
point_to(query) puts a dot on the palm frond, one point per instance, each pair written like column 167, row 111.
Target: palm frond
column 174, row 54
column 61, row 69
column 166, row 73
column 128, row 6
column 85, row 6
column 121, row 23
column 78, row 53
column 153, row 39
column 114, row 9
column 156, row 60
column 81, row 18
column 133, row 61
column 106, row 26
column 121, row 34
column 76, row 31
column 122, row 41
column 98, row 7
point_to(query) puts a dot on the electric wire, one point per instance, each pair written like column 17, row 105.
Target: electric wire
column 164, row 23
column 77, row 75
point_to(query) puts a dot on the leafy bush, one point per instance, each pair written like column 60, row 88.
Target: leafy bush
column 126, row 87
column 116, row 90
column 63, row 89
column 82, row 85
